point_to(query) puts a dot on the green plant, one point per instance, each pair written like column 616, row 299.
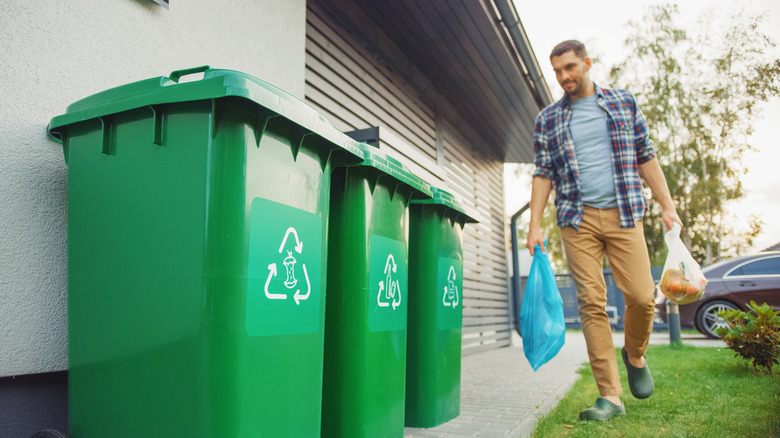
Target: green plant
column 754, row 335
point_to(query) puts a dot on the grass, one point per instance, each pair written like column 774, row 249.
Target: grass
column 699, row 392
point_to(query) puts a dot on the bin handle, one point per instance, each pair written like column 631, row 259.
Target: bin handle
column 177, row 74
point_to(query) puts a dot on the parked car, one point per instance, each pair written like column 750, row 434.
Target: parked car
column 732, row 285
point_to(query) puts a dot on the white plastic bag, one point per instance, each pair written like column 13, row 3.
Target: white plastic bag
column 682, row 281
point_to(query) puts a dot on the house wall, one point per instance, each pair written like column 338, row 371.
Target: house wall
column 59, row 51
column 358, row 79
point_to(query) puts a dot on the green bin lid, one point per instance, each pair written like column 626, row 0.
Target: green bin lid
column 216, row 83
column 447, row 199
column 373, row 157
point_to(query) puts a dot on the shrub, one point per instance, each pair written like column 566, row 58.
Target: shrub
column 753, row 335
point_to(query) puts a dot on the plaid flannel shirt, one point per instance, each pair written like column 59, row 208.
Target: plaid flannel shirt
column 557, row 161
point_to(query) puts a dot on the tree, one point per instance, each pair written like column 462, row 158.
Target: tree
column 700, row 92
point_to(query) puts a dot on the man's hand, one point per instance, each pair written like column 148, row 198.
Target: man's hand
column 651, row 172
column 669, row 218
column 535, row 237
column 540, row 191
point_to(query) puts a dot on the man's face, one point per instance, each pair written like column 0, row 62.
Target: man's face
column 572, row 73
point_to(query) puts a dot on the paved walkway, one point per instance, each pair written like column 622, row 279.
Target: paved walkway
column 501, row 395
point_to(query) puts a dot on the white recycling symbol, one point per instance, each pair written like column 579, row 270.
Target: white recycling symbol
column 289, row 264
column 389, row 289
column 450, row 298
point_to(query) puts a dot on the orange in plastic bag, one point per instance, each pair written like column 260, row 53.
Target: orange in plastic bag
column 683, row 281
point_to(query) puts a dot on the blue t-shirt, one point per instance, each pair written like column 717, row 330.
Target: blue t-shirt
column 593, row 148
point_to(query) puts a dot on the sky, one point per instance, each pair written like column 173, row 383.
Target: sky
column 601, row 25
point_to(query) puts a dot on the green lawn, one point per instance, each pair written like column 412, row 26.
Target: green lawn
column 699, row 392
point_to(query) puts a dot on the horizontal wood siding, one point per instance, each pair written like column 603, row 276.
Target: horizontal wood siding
column 477, row 181
column 350, row 84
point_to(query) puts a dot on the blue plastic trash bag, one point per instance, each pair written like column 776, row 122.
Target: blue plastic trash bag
column 541, row 315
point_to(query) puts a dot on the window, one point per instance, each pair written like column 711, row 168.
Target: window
column 770, row 266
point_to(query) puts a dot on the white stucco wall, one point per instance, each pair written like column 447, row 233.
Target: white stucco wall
column 55, row 52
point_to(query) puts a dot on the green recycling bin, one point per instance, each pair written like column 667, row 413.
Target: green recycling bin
column 435, row 309
column 197, row 243
column 365, row 331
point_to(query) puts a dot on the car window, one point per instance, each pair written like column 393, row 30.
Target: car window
column 760, row 267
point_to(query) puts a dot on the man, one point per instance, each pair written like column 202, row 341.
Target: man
column 593, row 147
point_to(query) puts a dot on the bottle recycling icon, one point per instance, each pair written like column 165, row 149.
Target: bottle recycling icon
column 389, row 289
column 289, row 263
column 450, row 298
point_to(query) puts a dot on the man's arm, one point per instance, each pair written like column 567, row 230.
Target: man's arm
column 540, row 192
column 651, row 172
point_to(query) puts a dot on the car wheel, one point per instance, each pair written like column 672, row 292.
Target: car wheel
column 707, row 320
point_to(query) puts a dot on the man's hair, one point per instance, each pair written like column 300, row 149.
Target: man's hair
column 569, row 45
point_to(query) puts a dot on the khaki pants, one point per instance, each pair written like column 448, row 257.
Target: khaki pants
column 626, row 251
